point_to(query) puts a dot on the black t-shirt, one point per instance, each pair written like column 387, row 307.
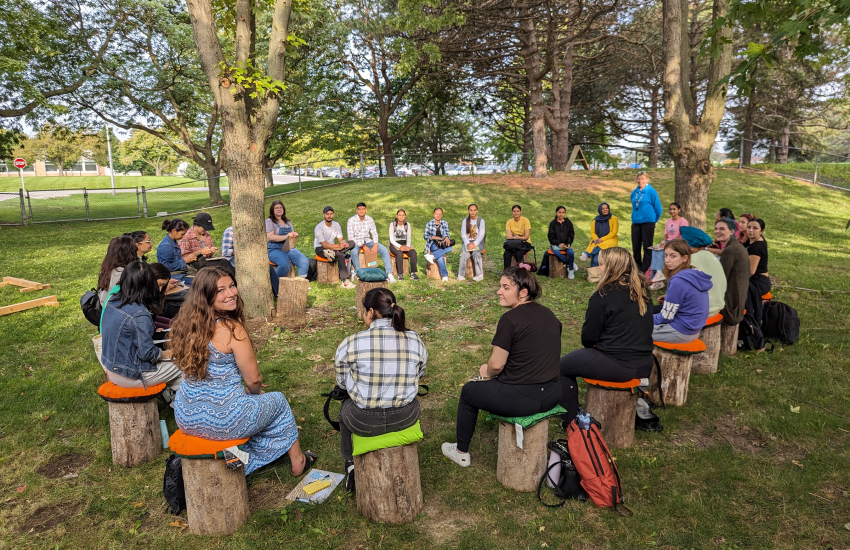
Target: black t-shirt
column 613, row 324
column 759, row 248
column 531, row 334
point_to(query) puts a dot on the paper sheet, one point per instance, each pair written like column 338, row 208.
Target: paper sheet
column 316, row 498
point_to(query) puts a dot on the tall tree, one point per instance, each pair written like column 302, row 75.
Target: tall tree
column 692, row 134
column 247, row 96
column 149, row 149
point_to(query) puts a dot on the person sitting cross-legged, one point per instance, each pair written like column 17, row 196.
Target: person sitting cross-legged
column 328, row 242
column 380, row 368
column 438, row 242
column 362, row 232
column 521, row 377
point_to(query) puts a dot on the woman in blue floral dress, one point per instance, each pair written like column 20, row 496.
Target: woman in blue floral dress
column 215, row 353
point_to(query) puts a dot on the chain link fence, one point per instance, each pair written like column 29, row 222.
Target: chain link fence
column 822, row 168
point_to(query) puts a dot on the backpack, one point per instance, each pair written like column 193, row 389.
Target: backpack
column 592, row 459
column 750, row 336
column 561, row 475
column 312, row 270
column 781, row 323
column 90, row 304
column 172, row 485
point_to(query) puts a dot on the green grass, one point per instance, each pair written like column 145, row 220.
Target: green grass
column 734, row 469
column 13, row 182
column 833, row 173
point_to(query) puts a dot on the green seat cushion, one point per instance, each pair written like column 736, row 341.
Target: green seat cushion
column 528, row 421
column 363, row 445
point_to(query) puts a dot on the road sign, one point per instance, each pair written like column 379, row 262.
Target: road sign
column 20, row 164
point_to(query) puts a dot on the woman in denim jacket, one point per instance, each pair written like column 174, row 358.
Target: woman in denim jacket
column 130, row 357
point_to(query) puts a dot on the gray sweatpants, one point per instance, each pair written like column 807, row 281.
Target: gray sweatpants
column 477, row 263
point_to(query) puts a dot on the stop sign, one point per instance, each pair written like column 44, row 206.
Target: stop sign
column 20, row 163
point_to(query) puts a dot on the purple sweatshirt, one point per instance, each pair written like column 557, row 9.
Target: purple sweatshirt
column 686, row 302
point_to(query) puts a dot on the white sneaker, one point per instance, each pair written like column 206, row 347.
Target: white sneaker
column 656, row 286
column 659, row 277
column 348, row 285
column 430, row 258
column 445, row 279
column 461, row 278
column 575, row 267
column 571, row 274
column 330, row 254
column 390, row 278
column 450, row 451
column 478, row 278
column 583, row 256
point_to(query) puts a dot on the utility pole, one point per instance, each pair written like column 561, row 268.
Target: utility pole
column 109, row 152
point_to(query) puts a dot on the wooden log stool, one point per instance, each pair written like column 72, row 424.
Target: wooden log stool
column 362, row 288
column 133, row 423
column 675, row 361
column 216, row 498
column 327, row 272
column 389, row 489
column 728, row 339
column 405, row 264
column 557, row 268
column 706, row 363
column 289, row 274
column 614, row 405
column 470, row 265
column 292, row 297
column 432, row 271
column 522, row 460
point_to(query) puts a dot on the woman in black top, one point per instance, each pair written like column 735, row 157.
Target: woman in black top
column 617, row 330
column 561, row 235
column 521, row 377
column 759, row 279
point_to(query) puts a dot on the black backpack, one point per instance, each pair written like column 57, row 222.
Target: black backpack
column 568, row 482
column 172, row 485
column 750, row 336
column 90, row 304
column 781, row 323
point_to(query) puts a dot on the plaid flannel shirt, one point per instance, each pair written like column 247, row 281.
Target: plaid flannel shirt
column 381, row 367
column 190, row 242
column 227, row 244
column 431, row 230
column 359, row 232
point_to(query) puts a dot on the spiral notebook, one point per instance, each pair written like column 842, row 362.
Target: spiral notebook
column 299, row 495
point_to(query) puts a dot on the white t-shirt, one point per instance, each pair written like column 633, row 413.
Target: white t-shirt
column 326, row 234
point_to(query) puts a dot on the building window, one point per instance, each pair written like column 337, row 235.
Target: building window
column 90, row 167
column 50, row 167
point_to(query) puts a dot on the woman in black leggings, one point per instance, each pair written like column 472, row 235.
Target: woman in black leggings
column 617, row 330
column 521, row 377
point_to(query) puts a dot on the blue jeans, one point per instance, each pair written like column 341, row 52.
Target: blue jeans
column 438, row 254
column 282, row 260
column 382, row 250
column 569, row 259
column 594, row 256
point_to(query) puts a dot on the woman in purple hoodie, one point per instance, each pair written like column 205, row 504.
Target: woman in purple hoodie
column 684, row 309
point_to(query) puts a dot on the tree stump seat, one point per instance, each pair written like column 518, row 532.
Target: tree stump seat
column 470, row 266
column 728, row 339
column 326, row 271
column 614, row 405
column 432, row 271
column 389, row 489
column 518, row 468
column 133, row 423
column 557, row 268
column 405, row 264
column 525, row 260
column 675, row 361
column 216, row 498
column 289, row 274
column 292, row 297
column 706, row 363
column 362, row 288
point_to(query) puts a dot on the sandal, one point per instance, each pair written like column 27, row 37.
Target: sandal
column 310, row 458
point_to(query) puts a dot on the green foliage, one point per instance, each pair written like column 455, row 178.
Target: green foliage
column 150, row 150
column 251, row 80
column 195, row 172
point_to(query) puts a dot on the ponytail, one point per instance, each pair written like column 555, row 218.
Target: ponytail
column 382, row 300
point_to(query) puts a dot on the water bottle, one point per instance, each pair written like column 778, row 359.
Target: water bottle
column 554, row 474
column 583, row 419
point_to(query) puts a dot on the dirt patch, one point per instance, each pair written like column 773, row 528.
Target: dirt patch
column 48, row 517
column 312, row 322
column 269, row 494
column 699, row 437
column 64, row 466
column 260, row 331
column 323, row 369
column 742, row 438
column 443, row 528
column 565, row 181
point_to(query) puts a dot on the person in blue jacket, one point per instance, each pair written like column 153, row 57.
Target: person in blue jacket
column 168, row 252
column 646, row 210
column 684, row 309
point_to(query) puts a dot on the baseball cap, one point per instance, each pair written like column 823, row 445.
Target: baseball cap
column 204, row 220
column 327, row 209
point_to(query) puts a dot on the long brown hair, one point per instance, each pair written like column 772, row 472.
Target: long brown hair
column 284, row 220
column 681, row 246
column 121, row 252
column 621, row 270
column 194, row 326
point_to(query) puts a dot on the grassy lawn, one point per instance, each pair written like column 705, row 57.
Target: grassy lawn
column 13, row 183
column 754, row 460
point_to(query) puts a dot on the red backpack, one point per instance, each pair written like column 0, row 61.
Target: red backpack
column 591, row 457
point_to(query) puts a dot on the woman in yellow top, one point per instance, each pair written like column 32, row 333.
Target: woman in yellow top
column 517, row 234
column 603, row 234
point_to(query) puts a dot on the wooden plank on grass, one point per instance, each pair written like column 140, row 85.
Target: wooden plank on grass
column 14, row 308
column 34, row 288
column 20, row 282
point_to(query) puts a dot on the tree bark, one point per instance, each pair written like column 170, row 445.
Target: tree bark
column 784, row 139
column 389, row 489
column 134, row 433
column 749, row 122
column 562, row 87
column 216, row 498
column 521, row 469
column 654, row 127
column 706, row 362
column 729, row 339
column 213, row 172
column 675, row 377
column 615, row 410
column 535, row 76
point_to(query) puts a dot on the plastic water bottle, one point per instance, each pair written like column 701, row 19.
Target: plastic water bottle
column 583, row 419
column 554, row 474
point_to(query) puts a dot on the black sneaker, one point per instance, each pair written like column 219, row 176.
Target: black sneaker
column 401, row 277
column 648, row 424
column 414, row 277
column 349, row 476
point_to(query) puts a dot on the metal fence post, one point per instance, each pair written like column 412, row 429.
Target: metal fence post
column 299, row 178
column 817, row 157
column 144, row 201
column 741, row 155
column 339, row 169
column 29, row 204
column 361, row 165
column 23, row 207
column 138, row 202
column 86, row 199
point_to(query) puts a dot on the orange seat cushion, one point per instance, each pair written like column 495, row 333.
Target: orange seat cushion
column 322, row 259
column 767, row 296
column 406, row 257
column 713, row 320
column 630, row 385
column 189, row 446
column 116, row 394
column 691, row 348
column 272, row 263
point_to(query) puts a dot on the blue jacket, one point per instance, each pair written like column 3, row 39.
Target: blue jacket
column 646, row 206
column 686, row 302
column 168, row 254
column 128, row 347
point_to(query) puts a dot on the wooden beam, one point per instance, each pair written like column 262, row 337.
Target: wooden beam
column 19, row 282
column 577, row 155
column 14, row 308
column 35, row 288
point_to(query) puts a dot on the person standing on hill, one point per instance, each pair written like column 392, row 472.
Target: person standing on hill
column 646, row 210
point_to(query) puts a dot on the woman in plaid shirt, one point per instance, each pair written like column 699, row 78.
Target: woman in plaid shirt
column 380, row 368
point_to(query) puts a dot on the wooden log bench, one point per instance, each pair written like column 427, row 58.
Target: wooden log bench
column 405, row 264
column 327, row 271
column 706, row 362
column 216, row 498
column 289, row 274
column 675, row 361
column 614, row 405
column 362, row 288
column 133, row 423
column 728, row 339
column 389, row 489
column 522, row 460
column 292, row 297
column 557, row 268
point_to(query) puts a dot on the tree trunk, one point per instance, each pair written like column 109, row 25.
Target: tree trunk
column 693, row 176
column 729, row 339
column 562, row 86
column 706, row 362
column 749, row 118
column 292, row 298
column 521, row 469
column 782, row 150
column 134, row 433
column 213, row 172
column 675, row 378
column 216, row 498
column 654, row 128
column 158, row 169
column 389, row 489
column 362, row 288
column 615, row 410
column 535, row 87
column 387, row 148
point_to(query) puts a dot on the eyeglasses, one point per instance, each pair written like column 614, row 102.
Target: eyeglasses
column 146, row 242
